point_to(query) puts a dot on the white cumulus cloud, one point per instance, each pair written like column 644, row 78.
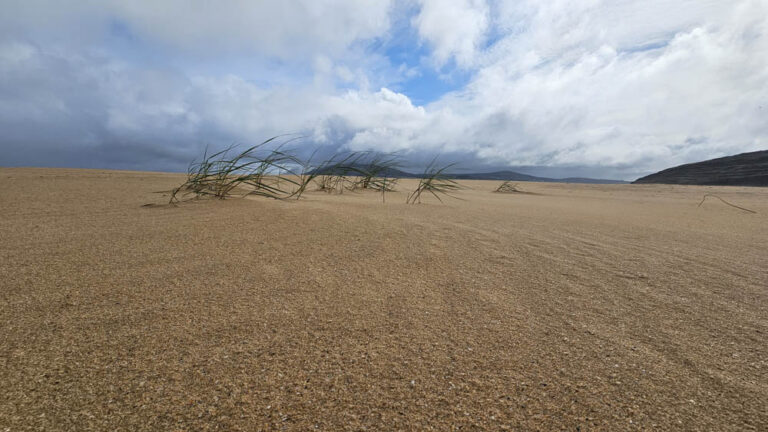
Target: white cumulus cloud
column 456, row 29
column 607, row 88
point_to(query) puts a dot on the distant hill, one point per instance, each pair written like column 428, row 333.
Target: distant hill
column 746, row 169
column 502, row 176
column 515, row 176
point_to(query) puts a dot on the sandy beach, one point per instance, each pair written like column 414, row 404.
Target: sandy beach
column 572, row 307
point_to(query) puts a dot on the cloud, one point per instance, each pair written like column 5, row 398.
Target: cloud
column 580, row 87
column 456, row 30
column 285, row 29
column 602, row 103
column 92, row 103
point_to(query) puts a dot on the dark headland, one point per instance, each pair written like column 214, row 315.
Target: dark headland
column 745, row 169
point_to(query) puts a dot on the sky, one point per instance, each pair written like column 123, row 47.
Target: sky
column 599, row 88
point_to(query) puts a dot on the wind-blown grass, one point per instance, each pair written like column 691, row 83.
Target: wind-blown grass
column 333, row 175
column 258, row 170
column 330, row 183
column 268, row 171
column 372, row 170
column 508, row 187
column 724, row 202
column 434, row 181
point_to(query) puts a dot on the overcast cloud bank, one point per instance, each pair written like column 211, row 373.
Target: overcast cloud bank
column 601, row 88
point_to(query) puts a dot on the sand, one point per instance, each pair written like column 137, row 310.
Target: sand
column 575, row 307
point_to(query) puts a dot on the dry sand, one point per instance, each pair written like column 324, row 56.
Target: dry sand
column 581, row 307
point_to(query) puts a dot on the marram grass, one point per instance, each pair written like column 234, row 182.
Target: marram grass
column 435, row 182
column 269, row 171
column 257, row 170
column 507, row 187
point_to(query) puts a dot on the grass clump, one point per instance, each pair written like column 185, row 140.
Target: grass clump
column 508, row 187
column 356, row 171
column 373, row 171
column 269, row 171
column 434, row 181
column 330, row 183
column 258, row 170
column 333, row 175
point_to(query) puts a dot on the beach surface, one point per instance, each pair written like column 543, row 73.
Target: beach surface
column 572, row 307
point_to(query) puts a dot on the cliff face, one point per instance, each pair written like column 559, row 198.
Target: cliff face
column 746, row 169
